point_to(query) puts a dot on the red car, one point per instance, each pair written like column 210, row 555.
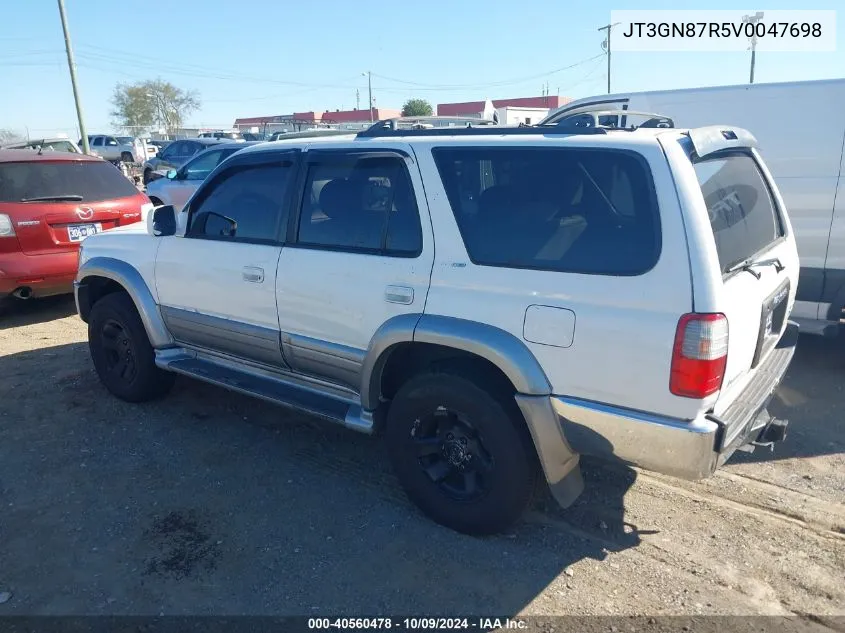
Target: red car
column 49, row 203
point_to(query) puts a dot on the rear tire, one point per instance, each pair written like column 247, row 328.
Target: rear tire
column 147, row 174
column 462, row 455
column 121, row 351
column 126, row 157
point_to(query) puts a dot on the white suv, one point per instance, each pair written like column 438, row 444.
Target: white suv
column 494, row 301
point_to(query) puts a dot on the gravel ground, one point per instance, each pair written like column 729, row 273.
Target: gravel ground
column 211, row 503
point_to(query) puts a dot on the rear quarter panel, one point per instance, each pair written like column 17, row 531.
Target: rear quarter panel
column 624, row 328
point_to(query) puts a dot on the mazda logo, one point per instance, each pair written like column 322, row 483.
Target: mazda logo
column 85, row 213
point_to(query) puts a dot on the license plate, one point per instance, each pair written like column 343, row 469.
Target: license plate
column 772, row 320
column 78, row 232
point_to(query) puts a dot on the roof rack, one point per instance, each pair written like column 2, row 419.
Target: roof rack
column 653, row 119
column 420, row 126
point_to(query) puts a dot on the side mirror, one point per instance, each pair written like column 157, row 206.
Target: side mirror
column 172, row 174
column 162, row 221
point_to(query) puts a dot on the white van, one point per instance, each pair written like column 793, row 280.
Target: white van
column 800, row 129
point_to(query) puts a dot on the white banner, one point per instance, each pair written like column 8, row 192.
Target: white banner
column 723, row 30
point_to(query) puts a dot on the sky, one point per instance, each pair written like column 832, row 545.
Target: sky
column 267, row 57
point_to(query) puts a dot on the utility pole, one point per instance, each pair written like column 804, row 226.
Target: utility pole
column 753, row 19
column 357, row 99
column 72, row 65
column 369, row 75
column 606, row 47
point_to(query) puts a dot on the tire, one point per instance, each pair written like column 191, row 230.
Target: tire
column 156, row 202
column 121, row 351
column 488, row 437
column 147, row 174
column 126, row 157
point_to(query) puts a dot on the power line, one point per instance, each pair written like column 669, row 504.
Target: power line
column 504, row 82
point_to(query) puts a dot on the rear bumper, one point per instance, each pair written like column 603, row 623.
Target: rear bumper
column 48, row 274
column 690, row 449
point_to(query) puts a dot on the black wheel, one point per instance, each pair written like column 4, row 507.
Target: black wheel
column 126, row 157
column 461, row 453
column 121, row 351
column 147, row 174
column 156, row 202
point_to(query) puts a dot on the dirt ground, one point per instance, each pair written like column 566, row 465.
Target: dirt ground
column 212, row 503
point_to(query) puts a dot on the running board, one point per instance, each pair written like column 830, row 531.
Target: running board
column 277, row 390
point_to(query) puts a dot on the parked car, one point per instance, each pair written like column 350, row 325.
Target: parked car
column 807, row 162
column 55, row 143
column 111, row 149
column 49, row 203
column 252, row 136
column 179, row 184
column 494, row 301
column 226, row 135
column 174, row 156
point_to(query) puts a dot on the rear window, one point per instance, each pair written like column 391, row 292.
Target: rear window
column 740, row 206
column 93, row 180
column 567, row 210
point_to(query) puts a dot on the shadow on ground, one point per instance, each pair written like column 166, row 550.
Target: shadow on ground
column 17, row 313
column 812, row 398
column 208, row 502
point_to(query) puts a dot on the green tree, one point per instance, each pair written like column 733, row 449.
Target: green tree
column 417, row 107
column 152, row 103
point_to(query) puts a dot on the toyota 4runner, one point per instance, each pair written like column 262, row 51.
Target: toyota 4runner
column 494, row 301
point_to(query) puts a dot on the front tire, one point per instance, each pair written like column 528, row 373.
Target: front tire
column 121, row 351
column 462, row 454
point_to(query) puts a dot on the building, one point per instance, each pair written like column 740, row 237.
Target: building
column 298, row 121
column 517, row 110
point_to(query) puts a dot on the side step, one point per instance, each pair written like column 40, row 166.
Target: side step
column 277, row 390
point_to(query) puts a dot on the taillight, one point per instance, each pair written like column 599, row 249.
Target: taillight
column 7, row 229
column 699, row 356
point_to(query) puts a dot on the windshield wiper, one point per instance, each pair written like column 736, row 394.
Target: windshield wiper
column 748, row 266
column 67, row 197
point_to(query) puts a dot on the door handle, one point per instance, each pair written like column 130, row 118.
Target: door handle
column 399, row 294
column 253, row 274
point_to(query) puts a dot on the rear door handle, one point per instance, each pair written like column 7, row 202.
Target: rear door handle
column 399, row 294
column 253, row 274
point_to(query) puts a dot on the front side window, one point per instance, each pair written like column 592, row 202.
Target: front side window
column 740, row 206
column 245, row 203
column 558, row 209
column 202, row 165
column 360, row 203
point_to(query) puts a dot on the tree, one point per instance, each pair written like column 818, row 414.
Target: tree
column 417, row 107
column 9, row 136
column 152, row 103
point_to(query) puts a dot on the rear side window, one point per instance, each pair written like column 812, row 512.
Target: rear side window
column 740, row 206
column 566, row 210
column 360, row 203
column 94, row 181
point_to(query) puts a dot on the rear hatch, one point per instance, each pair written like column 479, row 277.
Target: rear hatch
column 758, row 260
column 54, row 205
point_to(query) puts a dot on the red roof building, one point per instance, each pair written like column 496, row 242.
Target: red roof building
column 474, row 108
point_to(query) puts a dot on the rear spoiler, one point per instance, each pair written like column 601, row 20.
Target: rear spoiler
column 714, row 138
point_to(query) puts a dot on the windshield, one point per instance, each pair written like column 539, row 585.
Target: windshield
column 93, row 181
column 740, row 206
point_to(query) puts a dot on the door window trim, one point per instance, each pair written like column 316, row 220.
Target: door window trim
column 262, row 159
column 321, row 156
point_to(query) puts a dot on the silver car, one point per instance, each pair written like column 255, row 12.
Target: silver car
column 180, row 184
